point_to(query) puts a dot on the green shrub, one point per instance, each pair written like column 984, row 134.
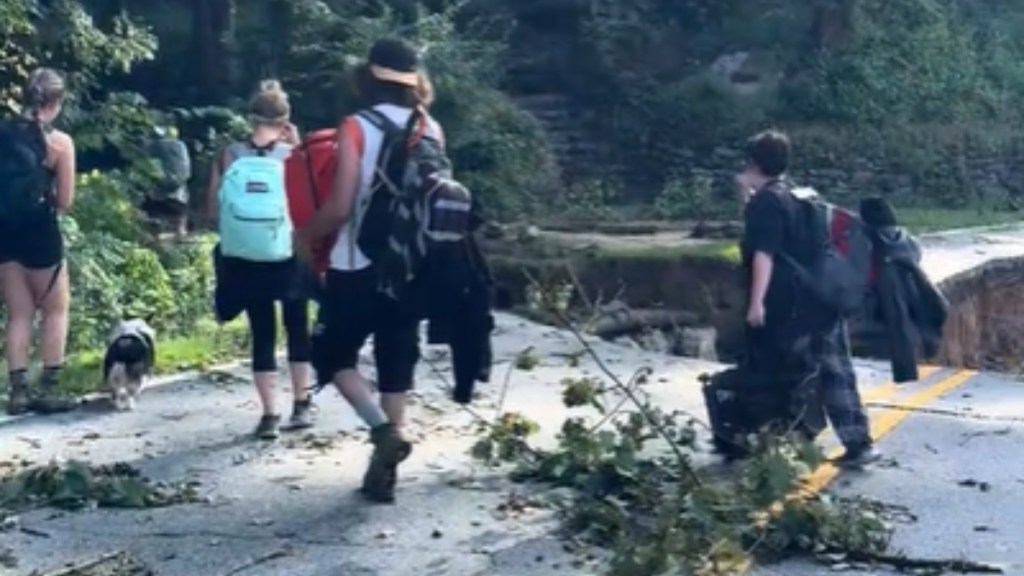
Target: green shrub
column 684, row 198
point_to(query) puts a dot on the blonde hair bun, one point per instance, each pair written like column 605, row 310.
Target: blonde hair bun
column 272, row 86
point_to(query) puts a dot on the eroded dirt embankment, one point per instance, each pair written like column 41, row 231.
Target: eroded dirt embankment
column 981, row 274
column 985, row 329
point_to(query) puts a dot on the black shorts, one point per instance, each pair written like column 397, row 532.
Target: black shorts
column 37, row 244
column 352, row 310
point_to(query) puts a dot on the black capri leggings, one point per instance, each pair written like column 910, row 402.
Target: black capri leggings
column 263, row 327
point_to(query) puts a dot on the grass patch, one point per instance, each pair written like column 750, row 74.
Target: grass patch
column 726, row 251
column 209, row 344
column 924, row 220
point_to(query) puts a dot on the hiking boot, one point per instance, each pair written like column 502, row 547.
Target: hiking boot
column 390, row 449
column 380, row 488
column 51, row 399
column 303, row 415
column 859, row 457
column 269, row 427
column 18, row 400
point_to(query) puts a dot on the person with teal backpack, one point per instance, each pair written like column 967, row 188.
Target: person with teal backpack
column 255, row 262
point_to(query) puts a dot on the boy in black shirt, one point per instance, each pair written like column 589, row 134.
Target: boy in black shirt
column 781, row 314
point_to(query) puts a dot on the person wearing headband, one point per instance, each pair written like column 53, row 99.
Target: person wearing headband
column 394, row 87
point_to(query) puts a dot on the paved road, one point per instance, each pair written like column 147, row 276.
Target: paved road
column 955, row 466
column 289, row 508
column 294, row 501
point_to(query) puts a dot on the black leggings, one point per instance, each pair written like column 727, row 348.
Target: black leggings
column 263, row 327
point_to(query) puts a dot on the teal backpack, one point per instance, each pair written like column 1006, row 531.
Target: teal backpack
column 254, row 221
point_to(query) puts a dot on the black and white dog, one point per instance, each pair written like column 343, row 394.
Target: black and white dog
column 130, row 356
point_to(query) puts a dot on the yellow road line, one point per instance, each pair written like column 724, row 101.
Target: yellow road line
column 885, row 423
column 880, row 427
column 887, row 391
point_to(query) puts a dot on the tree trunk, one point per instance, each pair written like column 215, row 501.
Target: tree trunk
column 833, row 24
column 212, row 23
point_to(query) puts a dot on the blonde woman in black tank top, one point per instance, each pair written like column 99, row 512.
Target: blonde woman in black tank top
column 32, row 269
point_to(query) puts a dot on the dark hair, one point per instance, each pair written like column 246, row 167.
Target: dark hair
column 394, row 74
column 269, row 106
column 769, row 151
column 45, row 87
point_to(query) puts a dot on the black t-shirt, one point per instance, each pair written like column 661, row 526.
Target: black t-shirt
column 771, row 225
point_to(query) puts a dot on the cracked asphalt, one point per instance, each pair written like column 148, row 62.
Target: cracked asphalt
column 290, row 508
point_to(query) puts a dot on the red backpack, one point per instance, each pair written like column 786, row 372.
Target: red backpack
column 841, row 224
column 308, row 177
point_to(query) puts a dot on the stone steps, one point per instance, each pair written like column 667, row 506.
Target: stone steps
column 570, row 141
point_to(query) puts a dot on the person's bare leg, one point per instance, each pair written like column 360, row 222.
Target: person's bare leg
column 265, row 390
column 299, row 372
column 17, row 294
column 351, row 384
column 54, row 303
column 393, row 406
column 53, row 295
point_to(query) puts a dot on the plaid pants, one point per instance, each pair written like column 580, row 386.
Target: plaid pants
column 839, row 390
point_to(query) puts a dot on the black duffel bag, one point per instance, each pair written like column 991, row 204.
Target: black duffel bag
column 741, row 401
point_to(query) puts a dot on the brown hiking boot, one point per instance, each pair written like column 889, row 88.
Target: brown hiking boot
column 18, row 400
column 51, row 399
column 390, row 449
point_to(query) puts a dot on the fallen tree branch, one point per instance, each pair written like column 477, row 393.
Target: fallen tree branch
column 259, row 561
column 622, row 387
column 626, row 322
column 120, row 557
column 902, row 562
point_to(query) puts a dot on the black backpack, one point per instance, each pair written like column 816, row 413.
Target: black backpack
column 25, row 180
column 415, row 206
column 836, row 270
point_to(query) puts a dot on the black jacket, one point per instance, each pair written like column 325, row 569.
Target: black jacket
column 239, row 284
column 458, row 292
column 909, row 305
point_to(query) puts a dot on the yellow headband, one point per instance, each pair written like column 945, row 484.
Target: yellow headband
column 411, row 79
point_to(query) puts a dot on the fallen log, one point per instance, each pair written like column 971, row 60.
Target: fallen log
column 626, row 322
column 606, row 228
column 112, row 564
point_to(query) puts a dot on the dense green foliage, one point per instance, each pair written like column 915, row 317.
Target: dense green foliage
column 867, row 75
column 913, row 88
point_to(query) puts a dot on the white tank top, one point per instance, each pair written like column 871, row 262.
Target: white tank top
column 345, row 255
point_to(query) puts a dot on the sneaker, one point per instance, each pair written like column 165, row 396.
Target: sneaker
column 859, row 457
column 18, row 399
column 381, row 477
column 303, row 415
column 268, row 428
column 51, row 399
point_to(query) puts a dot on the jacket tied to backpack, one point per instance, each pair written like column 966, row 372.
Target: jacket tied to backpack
column 859, row 258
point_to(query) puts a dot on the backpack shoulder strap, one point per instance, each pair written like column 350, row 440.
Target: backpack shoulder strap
column 380, row 121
